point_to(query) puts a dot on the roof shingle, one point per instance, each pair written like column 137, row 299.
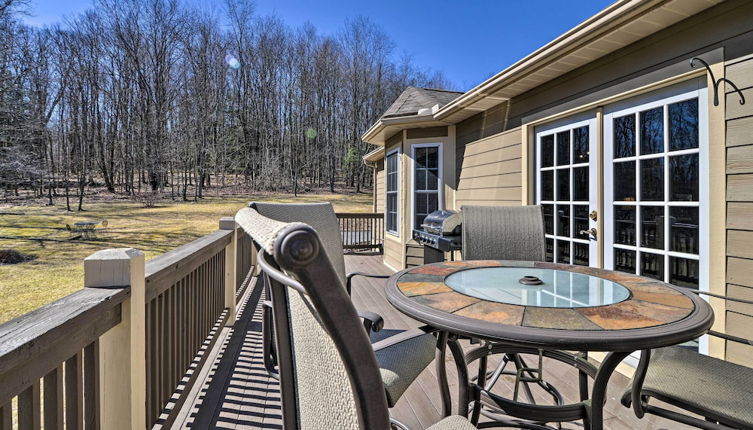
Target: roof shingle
column 413, row 99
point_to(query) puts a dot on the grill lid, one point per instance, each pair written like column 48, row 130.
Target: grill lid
column 443, row 222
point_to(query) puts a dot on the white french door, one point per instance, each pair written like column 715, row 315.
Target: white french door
column 656, row 188
column 566, row 159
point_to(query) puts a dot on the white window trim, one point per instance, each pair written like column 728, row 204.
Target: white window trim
column 440, row 178
column 395, row 233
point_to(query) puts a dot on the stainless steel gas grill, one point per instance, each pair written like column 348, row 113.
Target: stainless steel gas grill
column 440, row 232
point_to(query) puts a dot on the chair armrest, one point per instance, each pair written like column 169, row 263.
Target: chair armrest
column 402, row 337
column 371, row 321
column 349, row 278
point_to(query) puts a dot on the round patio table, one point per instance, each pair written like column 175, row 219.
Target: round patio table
column 536, row 306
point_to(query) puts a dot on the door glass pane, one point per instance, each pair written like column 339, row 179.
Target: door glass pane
column 563, row 184
column 580, row 254
column 683, row 172
column 580, row 145
column 549, row 252
column 547, row 151
column 563, row 251
column 624, row 181
column 548, row 218
column 683, row 229
column 624, row 260
column 652, row 131
column 580, row 184
column 683, row 125
column 652, row 265
column 563, row 220
column 624, row 136
column 624, row 225
column 652, row 227
column 652, row 179
column 683, row 272
column 563, row 148
column 547, row 185
column 580, row 221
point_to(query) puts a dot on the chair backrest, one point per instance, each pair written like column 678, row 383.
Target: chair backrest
column 329, row 376
column 320, row 216
column 503, row 233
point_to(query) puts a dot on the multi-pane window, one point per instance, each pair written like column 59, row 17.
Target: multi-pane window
column 391, row 210
column 564, row 192
column 656, row 197
column 426, row 186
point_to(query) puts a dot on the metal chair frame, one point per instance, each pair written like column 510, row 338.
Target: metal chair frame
column 638, row 400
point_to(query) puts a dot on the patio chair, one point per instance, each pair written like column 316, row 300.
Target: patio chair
column 401, row 362
column 328, row 368
column 719, row 391
column 506, row 233
column 503, row 233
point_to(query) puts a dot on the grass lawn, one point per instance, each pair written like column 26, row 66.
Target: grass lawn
column 58, row 268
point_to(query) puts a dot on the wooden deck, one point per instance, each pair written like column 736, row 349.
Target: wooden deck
column 234, row 392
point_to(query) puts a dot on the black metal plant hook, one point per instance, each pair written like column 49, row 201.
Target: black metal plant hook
column 717, row 82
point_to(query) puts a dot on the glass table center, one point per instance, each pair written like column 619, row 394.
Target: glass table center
column 557, row 289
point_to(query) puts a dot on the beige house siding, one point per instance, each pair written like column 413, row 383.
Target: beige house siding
column 489, row 170
column 379, row 187
column 739, row 207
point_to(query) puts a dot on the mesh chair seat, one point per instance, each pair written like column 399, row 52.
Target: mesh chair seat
column 455, row 422
column 704, row 385
column 397, row 371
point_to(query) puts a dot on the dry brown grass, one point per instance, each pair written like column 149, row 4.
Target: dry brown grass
column 58, row 267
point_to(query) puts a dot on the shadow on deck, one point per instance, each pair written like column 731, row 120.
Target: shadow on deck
column 234, row 392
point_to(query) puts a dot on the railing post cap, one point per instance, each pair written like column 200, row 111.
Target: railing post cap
column 115, row 254
column 227, row 223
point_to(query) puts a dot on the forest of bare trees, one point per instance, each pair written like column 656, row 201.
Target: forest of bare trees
column 156, row 96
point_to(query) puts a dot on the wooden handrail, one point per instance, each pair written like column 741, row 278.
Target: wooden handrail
column 40, row 344
column 163, row 270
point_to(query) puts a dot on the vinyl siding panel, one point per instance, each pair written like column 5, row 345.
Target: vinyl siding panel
column 489, row 169
column 740, row 209
column 379, row 191
column 392, row 253
column 422, row 133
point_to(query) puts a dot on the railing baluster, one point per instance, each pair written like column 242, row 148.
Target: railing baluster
column 74, row 391
column 53, row 399
column 6, row 416
column 29, row 415
column 91, row 386
column 153, row 363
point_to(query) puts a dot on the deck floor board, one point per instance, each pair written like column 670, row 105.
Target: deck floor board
column 236, row 392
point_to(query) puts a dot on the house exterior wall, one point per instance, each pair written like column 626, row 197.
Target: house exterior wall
column 379, row 187
column 489, row 171
column 493, row 150
column 739, row 169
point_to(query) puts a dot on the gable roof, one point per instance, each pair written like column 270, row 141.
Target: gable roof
column 413, row 99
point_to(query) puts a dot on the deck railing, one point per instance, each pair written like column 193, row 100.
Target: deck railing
column 124, row 351
column 362, row 231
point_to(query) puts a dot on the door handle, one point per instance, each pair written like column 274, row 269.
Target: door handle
column 591, row 232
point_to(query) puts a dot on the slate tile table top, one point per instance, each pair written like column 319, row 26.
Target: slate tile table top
column 644, row 314
column 654, row 314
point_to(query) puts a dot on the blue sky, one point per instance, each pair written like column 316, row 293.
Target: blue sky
column 469, row 40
